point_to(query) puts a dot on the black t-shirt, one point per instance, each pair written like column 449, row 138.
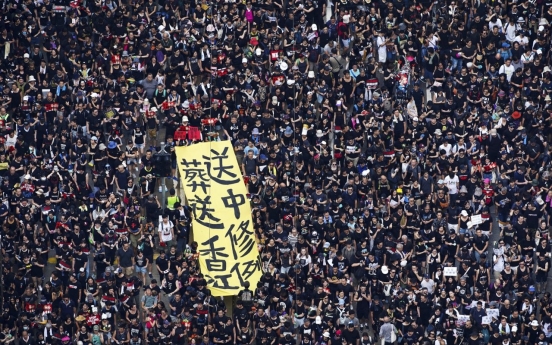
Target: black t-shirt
column 503, row 202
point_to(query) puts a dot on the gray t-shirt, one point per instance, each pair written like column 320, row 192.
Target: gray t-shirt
column 386, row 330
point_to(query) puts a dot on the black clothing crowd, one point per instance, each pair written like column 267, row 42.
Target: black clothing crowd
column 396, row 154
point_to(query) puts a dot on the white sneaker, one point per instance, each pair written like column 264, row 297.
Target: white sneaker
column 160, row 189
column 40, row 288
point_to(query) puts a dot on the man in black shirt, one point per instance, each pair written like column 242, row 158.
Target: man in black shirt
column 163, row 265
column 351, row 334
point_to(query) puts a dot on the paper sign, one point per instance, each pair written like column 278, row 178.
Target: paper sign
column 474, row 304
column 486, row 320
column 450, row 271
column 476, row 219
column 222, row 223
column 492, row 312
column 463, row 318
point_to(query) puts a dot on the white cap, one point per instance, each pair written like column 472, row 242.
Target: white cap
column 310, row 74
column 314, row 27
column 153, row 109
column 26, row 55
column 258, row 51
column 244, row 60
column 186, row 104
column 284, row 66
column 27, row 177
column 160, row 28
column 464, row 213
column 184, row 118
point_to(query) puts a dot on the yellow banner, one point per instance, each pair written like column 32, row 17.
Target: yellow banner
column 222, row 224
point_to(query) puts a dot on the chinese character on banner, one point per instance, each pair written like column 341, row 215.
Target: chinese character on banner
column 215, row 257
column 201, row 184
column 218, row 171
column 221, row 281
column 192, row 171
column 203, row 213
column 241, row 239
column 249, row 268
column 243, row 272
column 234, row 201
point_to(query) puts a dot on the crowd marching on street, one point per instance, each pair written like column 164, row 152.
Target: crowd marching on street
column 396, row 156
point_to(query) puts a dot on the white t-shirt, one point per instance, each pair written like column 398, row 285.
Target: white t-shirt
column 452, row 184
column 382, row 49
column 508, row 70
column 522, row 41
column 447, row 148
column 510, row 31
column 429, row 285
column 497, row 23
column 165, row 230
column 11, row 141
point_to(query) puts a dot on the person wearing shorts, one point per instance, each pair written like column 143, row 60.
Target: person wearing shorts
column 125, row 256
column 141, row 265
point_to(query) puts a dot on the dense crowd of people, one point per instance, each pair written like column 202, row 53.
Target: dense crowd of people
column 396, row 155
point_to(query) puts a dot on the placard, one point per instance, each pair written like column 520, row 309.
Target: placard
column 222, row 223
column 492, row 312
column 463, row 318
column 476, row 219
column 450, row 271
column 486, row 320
